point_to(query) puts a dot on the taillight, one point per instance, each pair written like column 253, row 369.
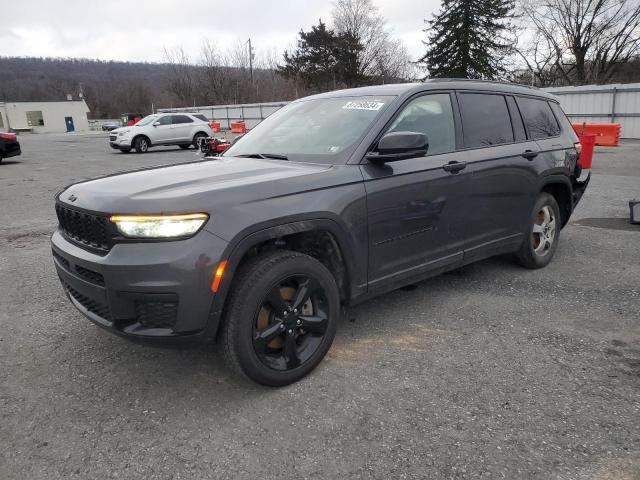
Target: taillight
column 8, row 136
column 578, row 147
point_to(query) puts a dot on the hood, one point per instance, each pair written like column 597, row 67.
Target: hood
column 190, row 187
column 120, row 129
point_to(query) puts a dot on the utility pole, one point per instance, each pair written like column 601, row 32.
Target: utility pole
column 250, row 60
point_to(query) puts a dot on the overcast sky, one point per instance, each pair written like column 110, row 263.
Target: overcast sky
column 138, row 30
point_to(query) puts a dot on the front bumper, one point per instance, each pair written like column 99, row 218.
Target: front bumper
column 116, row 141
column 143, row 290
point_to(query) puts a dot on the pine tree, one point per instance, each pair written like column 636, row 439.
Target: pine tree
column 324, row 60
column 468, row 39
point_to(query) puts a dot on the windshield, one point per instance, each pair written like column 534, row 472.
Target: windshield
column 147, row 120
column 322, row 130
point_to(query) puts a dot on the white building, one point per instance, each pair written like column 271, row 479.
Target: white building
column 44, row 117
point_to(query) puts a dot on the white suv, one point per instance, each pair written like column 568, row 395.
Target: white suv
column 182, row 129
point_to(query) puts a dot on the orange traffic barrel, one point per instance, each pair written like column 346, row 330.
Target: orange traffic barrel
column 607, row 134
column 586, row 155
column 238, row 127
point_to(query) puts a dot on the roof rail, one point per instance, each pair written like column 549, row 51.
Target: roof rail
column 472, row 80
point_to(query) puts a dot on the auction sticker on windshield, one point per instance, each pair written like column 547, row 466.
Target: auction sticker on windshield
column 363, row 105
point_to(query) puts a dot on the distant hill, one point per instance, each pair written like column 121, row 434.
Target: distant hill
column 111, row 88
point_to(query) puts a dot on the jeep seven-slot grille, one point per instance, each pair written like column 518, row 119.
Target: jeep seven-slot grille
column 85, row 228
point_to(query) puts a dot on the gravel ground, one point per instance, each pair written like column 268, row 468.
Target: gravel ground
column 490, row 371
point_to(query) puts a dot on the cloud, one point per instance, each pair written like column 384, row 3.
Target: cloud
column 140, row 30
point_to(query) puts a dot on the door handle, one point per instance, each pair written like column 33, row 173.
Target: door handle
column 454, row 167
column 529, row 154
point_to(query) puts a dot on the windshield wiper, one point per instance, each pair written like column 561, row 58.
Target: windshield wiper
column 273, row 156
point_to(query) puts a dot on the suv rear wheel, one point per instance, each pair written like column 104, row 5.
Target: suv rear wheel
column 543, row 235
column 196, row 139
column 280, row 318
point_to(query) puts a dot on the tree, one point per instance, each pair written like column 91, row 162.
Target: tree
column 182, row 82
column 469, row 39
column 323, row 60
column 583, row 41
column 380, row 57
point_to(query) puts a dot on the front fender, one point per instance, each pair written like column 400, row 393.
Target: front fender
column 355, row 260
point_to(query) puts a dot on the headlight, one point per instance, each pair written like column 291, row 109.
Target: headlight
column 123, row 132
column 159, row 226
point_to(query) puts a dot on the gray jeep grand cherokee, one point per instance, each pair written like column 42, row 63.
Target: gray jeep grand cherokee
column 332, row 200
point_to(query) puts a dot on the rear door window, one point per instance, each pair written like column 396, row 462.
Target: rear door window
column 561, row 117
column 538, row 118
column 432, row 115
column 181, row 119
column 485, row 120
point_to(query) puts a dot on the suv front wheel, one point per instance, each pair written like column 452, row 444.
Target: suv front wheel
column 141, row 145
column 280, row 317
column 541, row 240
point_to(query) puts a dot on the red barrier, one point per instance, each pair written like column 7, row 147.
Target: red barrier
column 215, row 126
column 586, row 155
column 238, row 127
column 607, row 134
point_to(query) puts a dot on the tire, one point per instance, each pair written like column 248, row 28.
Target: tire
column 273, row 348
column 543, row 233
column 125, row 150
column 141, row 144
column 184, row 147
column 196, row 139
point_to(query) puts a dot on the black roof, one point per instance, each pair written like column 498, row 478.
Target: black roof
column 435, row 84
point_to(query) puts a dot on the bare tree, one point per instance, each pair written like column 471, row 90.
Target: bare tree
column 580, row 41
column 182, row 81
column 381, row 56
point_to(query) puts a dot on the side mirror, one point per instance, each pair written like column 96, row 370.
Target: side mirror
column 396, row 146
column 155, row 124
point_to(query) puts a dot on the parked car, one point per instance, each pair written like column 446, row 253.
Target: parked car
column 330, row 201
column 9, row 145
column 108, row 126
column 182, row 129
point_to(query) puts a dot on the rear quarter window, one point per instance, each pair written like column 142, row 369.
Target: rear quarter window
column 201, row 117
column 538, row 118
column 485, row 119
column 563, row 120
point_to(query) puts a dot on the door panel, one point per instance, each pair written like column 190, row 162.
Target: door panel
column 503, row 173
column 503, row 189
column 181, row 128
column 416, row 213
column 416, row 206
column 161, row 133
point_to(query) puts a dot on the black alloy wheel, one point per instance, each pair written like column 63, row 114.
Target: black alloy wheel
column 291, row 323
column 280, row 317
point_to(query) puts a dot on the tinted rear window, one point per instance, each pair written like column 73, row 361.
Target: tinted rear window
column 565, row 124
column 181, row 119
column 538, row 118
column 201, row 117
column 485, row 120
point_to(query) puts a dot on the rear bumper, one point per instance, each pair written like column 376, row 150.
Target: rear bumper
column 148, row 291
column 579, row 188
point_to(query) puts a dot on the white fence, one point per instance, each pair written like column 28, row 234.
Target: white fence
column 619, row 103
column 251, row 113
